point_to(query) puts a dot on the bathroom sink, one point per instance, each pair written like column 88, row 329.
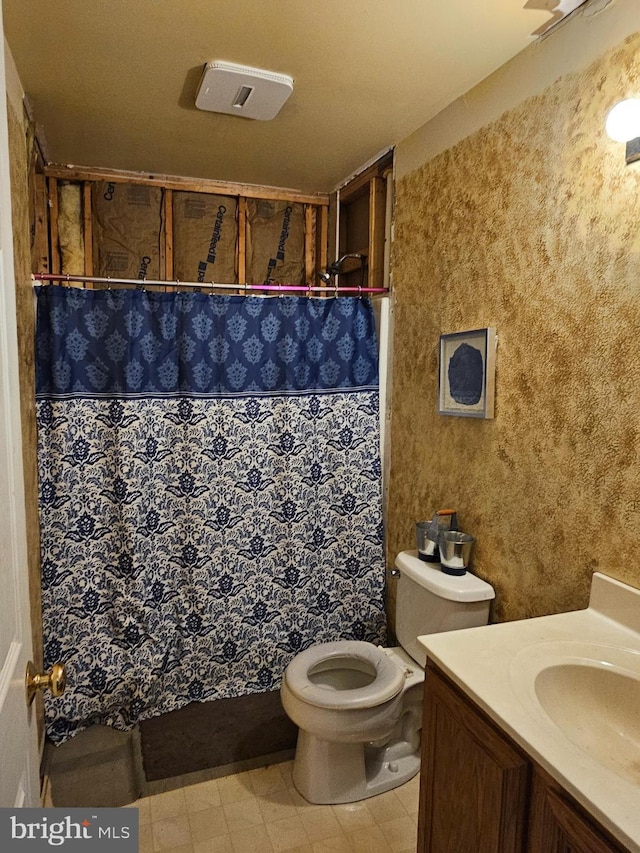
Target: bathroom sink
column 591, row 694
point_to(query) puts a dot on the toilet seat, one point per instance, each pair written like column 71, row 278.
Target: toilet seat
column 388, row 682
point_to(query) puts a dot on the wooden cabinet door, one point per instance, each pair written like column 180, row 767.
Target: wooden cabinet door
column 473, row 796
column 558, row 825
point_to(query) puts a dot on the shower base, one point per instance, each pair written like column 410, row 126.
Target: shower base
column 224, row 732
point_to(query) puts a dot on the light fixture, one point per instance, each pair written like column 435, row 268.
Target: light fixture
column 623, row 125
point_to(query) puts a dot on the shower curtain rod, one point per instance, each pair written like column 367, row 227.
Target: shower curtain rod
column 206, row 285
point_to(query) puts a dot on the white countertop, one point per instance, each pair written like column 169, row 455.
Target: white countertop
column 495, row 666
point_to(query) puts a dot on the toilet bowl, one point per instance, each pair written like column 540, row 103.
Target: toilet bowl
column 359, row 731
column 358, row 707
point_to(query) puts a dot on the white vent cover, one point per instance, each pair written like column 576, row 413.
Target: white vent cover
column 242, row 91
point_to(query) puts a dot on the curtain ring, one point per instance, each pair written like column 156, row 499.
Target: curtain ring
column 359, row 291
column 108, row 282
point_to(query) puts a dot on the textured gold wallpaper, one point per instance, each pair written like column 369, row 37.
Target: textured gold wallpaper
column 531, row 225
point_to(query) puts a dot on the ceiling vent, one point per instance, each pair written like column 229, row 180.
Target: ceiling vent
column 242, row 91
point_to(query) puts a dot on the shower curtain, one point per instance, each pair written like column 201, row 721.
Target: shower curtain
column 210, row 493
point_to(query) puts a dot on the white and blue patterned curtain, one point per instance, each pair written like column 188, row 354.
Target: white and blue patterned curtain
column 210, row 493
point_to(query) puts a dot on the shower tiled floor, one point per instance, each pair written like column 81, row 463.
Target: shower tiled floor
column 259, row 811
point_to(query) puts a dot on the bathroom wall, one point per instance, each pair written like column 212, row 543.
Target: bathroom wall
column 515, row 210
column 21, row 152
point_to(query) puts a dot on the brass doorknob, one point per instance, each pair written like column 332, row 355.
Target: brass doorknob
column 55, row 680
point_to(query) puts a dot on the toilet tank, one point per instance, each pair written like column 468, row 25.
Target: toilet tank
column 429, row 601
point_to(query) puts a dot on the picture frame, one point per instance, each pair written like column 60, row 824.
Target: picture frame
column 467, row 371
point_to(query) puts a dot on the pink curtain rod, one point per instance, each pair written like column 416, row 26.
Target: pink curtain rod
column 206, row 285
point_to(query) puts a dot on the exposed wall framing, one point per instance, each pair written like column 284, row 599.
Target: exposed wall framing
column 362, row 213
column 310, row 209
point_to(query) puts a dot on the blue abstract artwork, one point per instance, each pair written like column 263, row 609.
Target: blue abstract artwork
column 466, row 373
column 467, row 378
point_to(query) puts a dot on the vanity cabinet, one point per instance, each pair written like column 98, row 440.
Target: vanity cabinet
column 474, row 785
column 481, row 793
column 558, row 825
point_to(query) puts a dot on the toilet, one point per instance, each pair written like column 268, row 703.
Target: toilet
column 358, row 707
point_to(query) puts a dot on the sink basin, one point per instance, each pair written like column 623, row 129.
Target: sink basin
column 598, row 709
column 591, row 693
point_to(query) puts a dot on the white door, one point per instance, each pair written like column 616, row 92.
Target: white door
column 18, row 746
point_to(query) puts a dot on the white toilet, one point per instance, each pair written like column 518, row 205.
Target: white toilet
column 358, row 707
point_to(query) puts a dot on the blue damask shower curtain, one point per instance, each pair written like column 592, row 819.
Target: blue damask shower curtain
column 210, row 493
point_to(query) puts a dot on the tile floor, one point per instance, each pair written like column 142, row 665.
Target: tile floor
column 259, row 811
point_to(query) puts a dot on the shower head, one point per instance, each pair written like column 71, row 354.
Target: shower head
column 336, row 267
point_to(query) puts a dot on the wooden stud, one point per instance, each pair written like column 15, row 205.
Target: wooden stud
column 309, row 244
column 173, row 182
column 88, row 229
column 333, row 242
column 242, row 240
column 41, row 236
column 359, row 183
column 166, row 238
column 52, row 185
column 377, row 214
column 323, row 237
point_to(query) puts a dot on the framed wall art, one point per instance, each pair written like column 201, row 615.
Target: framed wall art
column 467, row 373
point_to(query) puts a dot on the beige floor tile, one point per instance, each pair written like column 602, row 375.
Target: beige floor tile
column 320, row 824
column 369, row 840
column 286, row 834
column 208, row 823
column 335, row 844
column 169, row 804
column 401, row 833
column 266, row 779
column 144, row 810
column 352, row 816
column 145, row 837
column 286, row 771
column 408, row 795
column 277, row 805
column 253, row 840
column 171, row 832
column 242, row 815
column 204, row 795
column 260, row 811
column 386, row 807
column 299, row 800
column 216, row 845
column 232, row 789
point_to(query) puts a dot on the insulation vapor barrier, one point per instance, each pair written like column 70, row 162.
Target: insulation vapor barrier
column 275, row 242
column 205, row 236
column 127, row 220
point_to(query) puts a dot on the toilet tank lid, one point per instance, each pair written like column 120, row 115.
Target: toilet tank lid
column 465, row 587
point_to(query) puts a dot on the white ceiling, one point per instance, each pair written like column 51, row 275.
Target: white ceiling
column 113, row 82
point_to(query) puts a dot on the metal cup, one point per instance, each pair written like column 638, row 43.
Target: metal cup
column 455, row 551
column 427, row 541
